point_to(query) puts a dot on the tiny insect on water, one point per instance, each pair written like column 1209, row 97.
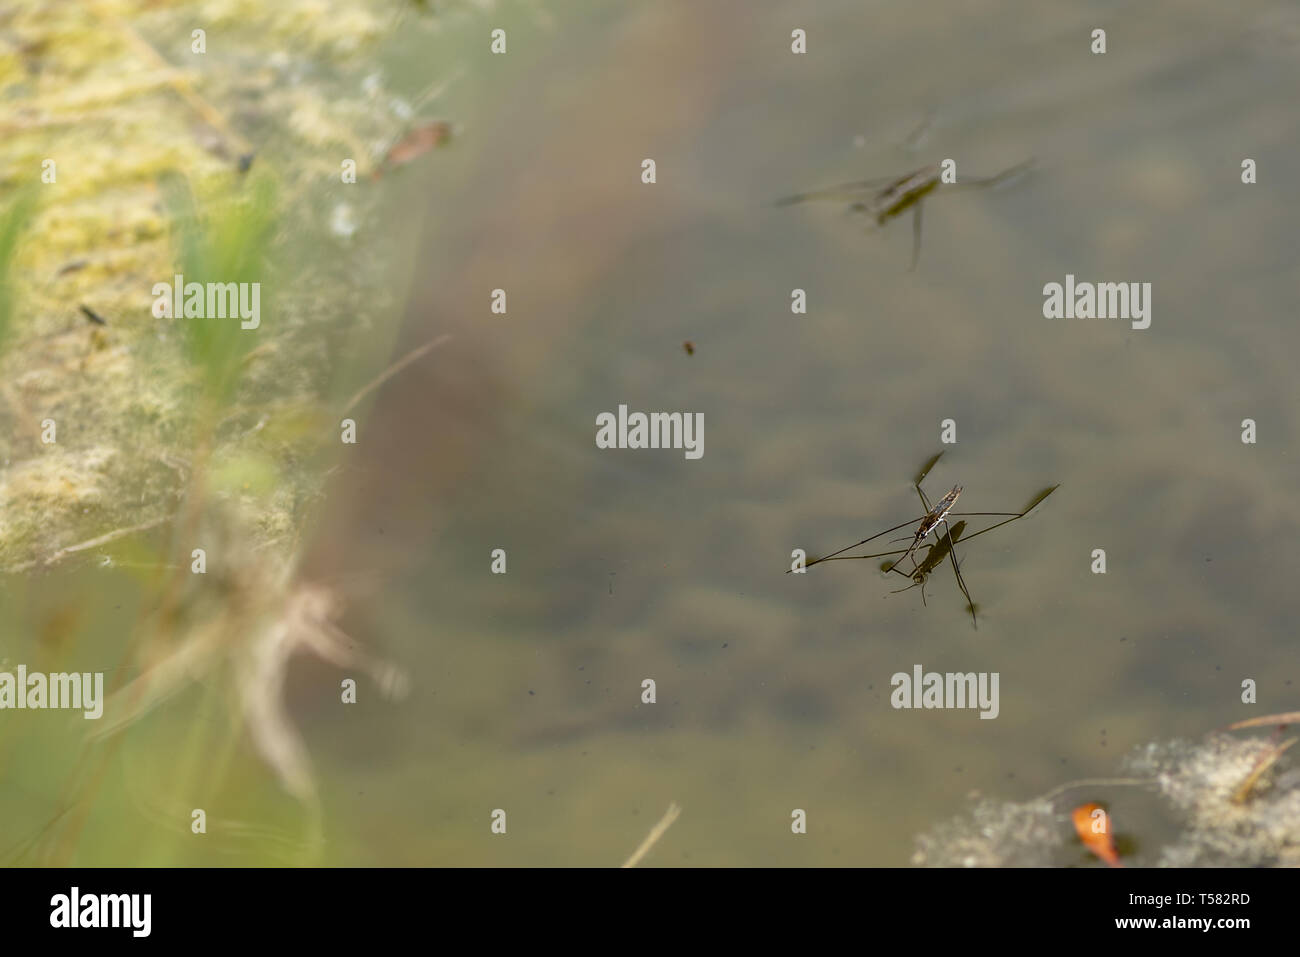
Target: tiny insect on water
column 889, row 197
column 944, row 547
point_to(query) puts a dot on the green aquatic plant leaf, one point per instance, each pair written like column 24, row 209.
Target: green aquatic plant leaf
column 13, row 221
column 229, row 243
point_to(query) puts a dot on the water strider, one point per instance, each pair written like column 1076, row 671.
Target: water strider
column 920, row 574
column 944, row 547
column 899, row 194
column 933, row 518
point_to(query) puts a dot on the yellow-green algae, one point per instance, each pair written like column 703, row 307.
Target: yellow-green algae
column 168, row 433
column 135, row 123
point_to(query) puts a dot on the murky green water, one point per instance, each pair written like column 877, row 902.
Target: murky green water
column 773, row 689
column 623, row 565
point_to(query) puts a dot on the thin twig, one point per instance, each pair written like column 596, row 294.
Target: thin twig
column 1290, row 717
column 1094, row 783
column 92, row 543
column 104, row 539
column 1262, row 764
column 392, row 370
column 655, row 833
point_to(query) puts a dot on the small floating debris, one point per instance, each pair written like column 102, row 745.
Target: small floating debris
column 93, row 316
column 1092, row 824
column 414, row 145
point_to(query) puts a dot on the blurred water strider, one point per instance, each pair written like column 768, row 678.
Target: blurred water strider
column 888, row 198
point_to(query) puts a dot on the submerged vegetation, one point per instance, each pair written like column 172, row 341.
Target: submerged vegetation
column 121, row 167
column 130, row 156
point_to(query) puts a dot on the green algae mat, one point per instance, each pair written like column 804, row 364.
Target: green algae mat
column 197, row 300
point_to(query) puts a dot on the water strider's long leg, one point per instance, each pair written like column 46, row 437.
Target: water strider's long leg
column 956, row 515
column 846, row 548
column 1014, row 515
column 1010, row 517
column 929, row 510
column 915, row 584
column 983, row 182
column 837, row 557
column 945, row 548
column 839, row 191
column 916, row 541
column 952, row 556
column 853, row 558
column 916, row 483
column 928, row 564
column 924, row 501
column 916, row 238
column 916, row 139
column 1033, row 504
